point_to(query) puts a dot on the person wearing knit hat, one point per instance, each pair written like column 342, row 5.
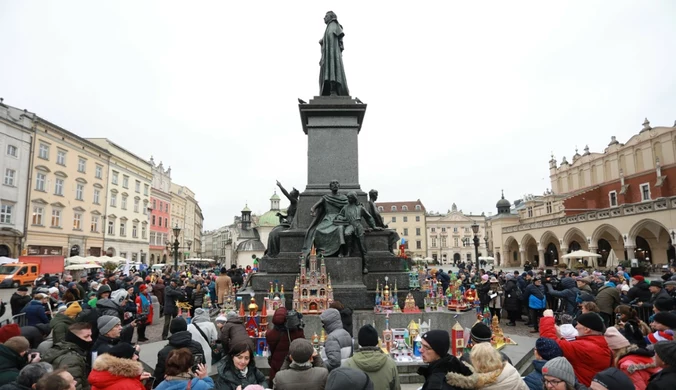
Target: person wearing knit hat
column 110, row 329
column 434, row 351
column 178, row 324
column 665, row 357
column 660, row 335
column 122, row 351
column 611, row 379
column 664, row 321
column 589, row 352
column 8, row 331
column 73, row 309
column 557, row 370
column 615, row 339
column 480, row 333
column 369, row 358
column 545, row 350
column 566, row 329
column 231, row 315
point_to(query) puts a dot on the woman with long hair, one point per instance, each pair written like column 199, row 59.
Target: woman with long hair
column 637, row 363
column 238, row 369
column 629, row 325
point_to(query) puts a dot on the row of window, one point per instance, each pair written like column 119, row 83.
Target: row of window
column 405, row 232
column 166, row 206
column 123, row 229
column 123, row 203
column 56, row 219
column 158, row 239
column 466, row 242
column 125, row 183
column 405, row 218
column 455, row 230
column 403, row 208
column 159, row 221
column 43, row 153
column 41, row 184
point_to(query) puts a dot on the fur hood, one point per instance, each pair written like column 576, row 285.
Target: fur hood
column 117, row 366
column 506, row 377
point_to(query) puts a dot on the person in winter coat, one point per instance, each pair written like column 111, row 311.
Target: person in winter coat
column 482, row 290
column 72, row 353
column 12, row 358
column 180, row 338
column 197, row 298
column 640, row 291
column 204, row 332
column 223, row 285
column 35, row 310
column 238, row 369
column 558, row 374
column 29, row 376
column 490, row 372
column 72, row 293
column 629, row 325
column 345, row 315
column 35, row 334
column 19, row 300
column 233, row 332
column 171, row 294
column 179, row 373
column 545, row 350
column 665, row 357
column 568, row 294
column 61, row 321
column 535, row 297
column 607, row 299
column 110, row 329
column 158, row 291
column 512, row 303
column 348, row 378
column 369, row 358
column 118, row 369
column 589, row 352
column 435, row 345
column 102, row 293
column 496, row 302
column 302, row 372
column 144, row 306
column 279, row 339
column 658, row 292
column 338, row 344
column 637, row 363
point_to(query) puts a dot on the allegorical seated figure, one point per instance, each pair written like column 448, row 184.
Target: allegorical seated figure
column 351, row 214
column 326, row 236
column 393, row 237
column 285, row 221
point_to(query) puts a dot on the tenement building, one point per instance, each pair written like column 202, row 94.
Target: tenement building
column 408, row 219
column 16, row 135
column 126, row 218
column 160, row 204
column 450, row 239
column 67, row 193
column 620, row 203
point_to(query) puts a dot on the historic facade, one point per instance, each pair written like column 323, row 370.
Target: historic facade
column 450, row 236
column 160, row 213
column 620, row 203
column 16, row 137
column 67, row 201
column 129, row 179
column 408, row 219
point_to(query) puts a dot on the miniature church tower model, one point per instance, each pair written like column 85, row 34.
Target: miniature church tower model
column 312, row 293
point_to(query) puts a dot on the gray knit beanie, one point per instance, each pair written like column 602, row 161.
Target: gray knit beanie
column 560, row 368
column 231, row 316
column 106, row 323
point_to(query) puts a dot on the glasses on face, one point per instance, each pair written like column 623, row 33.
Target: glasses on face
column 551, row 382
column 426, row 347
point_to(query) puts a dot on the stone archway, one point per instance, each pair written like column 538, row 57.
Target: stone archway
column 609, row 234
column 575, row 240
column 512, row 252
column 456, row 259
column 5, row 251
column 530, row 247
column 652, row 242
column 110, row 252
column 550, row 242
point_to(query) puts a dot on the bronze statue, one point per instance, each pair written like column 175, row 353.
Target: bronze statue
column 332, row 81
column 351, row 214
column 326, row 236
column 393, row 237
column 291, row 211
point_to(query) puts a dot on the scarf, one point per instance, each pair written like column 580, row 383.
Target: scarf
column 145, row 304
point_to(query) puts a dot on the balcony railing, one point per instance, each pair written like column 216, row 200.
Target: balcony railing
column 659, row 204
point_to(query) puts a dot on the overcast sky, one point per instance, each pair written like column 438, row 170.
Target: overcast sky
column 463, row 99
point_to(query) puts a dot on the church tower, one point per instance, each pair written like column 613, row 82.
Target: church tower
column 246, row 218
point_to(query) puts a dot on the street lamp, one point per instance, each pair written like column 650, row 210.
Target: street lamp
column 177, row 231
column 475, row 229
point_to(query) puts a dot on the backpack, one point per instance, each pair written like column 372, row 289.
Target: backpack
column 294, row 320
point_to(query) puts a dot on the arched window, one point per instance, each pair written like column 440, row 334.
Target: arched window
column 394, row 208
column 404, row 208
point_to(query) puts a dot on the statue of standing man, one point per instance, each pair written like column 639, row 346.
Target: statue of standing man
column 332, row 81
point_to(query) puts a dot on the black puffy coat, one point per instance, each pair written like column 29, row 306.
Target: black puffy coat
column 182, row 339
column 435, row 372
column 512, row 302
column 639, row 292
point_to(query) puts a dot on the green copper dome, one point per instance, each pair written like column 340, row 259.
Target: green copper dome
column 270, row 218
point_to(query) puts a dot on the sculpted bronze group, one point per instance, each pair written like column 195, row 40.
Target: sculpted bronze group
column 332, row 81
column 326, row 236
column 351, row 215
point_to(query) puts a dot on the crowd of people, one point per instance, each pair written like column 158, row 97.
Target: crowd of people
column 591, row 335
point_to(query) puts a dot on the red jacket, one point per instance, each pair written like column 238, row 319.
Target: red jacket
column 139, row 308
column 588, row 355
column 278, row 341
column 639, row 366
column 110, row 372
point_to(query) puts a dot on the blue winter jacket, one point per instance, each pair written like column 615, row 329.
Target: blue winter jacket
column 569, row 294
column 35, row 313
column 195, row 384
column 534, row 379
